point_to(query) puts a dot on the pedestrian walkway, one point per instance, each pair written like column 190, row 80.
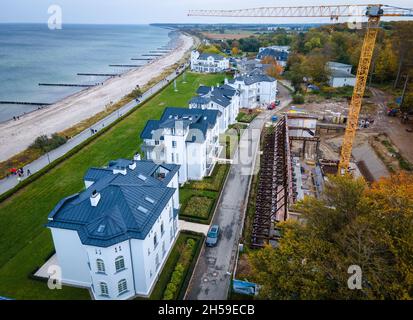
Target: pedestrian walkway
column 194, row 227
column 10, row 182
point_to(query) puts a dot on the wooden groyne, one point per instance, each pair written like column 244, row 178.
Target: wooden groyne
column 141, row 59
column 66, row 85
column 26, row 103
column 152, row 55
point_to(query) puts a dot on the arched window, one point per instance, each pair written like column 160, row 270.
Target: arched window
column 100, row 265
column 122, row 286
column 104, row 289
column 119, row 263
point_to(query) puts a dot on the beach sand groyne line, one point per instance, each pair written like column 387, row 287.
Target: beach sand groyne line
column 16, row 136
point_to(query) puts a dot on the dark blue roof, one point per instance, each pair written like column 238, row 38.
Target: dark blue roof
column 205, row 56
column 221, row 95
column 253, row 78
column 129, row 204
column 277, row 54
column 201, row 119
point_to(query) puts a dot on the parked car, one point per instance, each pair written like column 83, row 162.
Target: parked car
column 212, row 236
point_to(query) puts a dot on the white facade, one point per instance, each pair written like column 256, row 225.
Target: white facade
column 255, row 91
column 341, row 75
column 208, row 63
column 195, row 152
column 215, row 100
column 124, row 270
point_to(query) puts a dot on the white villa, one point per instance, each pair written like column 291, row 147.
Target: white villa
column 188, row 137
column 208, row 63
column 223, row 98
column 115, row 236
column 340, row 75
column 256, row 89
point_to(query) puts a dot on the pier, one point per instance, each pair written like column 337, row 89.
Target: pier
column 26, row 103
column 99, row 74
column 66, row 85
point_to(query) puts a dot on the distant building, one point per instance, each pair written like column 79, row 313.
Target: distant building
column 188, row 137
column 208, row 63
column 256, row 89
column 246, row 66
column 115, row 236
column 340, row 75
column 223, row 98
column 279, row 53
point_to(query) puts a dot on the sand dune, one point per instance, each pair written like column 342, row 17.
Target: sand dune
column 16, row 136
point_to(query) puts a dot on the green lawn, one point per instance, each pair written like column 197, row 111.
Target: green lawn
column 24, row 241
column 198, row 198
column 246, row 117
column 199, row 207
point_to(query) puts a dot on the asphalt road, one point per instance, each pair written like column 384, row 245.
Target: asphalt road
column 212, row 274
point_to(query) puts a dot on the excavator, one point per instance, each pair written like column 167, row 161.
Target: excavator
column 373, row 12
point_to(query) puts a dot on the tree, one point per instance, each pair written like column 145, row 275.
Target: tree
column 352, row 224
column 235, row 51
column 386, row 63
column 274, row 70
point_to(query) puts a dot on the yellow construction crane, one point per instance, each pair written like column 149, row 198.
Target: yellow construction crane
column 373, row 12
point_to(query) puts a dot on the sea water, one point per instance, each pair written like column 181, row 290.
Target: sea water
column 31, row 54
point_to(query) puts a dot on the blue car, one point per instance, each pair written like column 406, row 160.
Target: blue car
column 212, row 237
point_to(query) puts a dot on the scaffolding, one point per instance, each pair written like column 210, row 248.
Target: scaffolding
column 274, row 185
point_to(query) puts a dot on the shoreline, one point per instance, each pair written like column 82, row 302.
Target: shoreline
column 16, row 136
column 73, row 95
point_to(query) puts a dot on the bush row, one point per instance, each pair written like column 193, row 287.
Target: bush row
column 178, row 276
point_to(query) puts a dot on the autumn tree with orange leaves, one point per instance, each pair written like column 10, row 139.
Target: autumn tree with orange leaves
column 274, row 70
column 353, row 224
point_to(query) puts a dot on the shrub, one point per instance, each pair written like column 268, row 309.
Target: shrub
column 298, row 98
column 168, row 295
column 46, row 144
column 176, row 277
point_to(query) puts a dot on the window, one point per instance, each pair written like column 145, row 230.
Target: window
column 171, row 214
column 119, row 263
column 173, row 157
column 104, row 289
column 171, row 234
column 122, row 286
column 173, row 144
column 163, row 249
column 162, row 229
column 173, row 131
column 177, row 157
column 157, row 262
column 100, row 265
column 156, row 142
column 155, row 241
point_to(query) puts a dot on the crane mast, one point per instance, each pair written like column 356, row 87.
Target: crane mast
column 374, row 12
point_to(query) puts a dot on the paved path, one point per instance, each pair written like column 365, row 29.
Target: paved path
column 195, row 227
column 212, row 275
column 10, row 182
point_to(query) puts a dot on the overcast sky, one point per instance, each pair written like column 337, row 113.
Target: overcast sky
column 145, row 11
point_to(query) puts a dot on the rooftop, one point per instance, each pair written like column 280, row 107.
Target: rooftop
column 190, row 119
column 127, row 207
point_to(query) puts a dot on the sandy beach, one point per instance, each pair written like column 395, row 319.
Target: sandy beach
column 16, row 136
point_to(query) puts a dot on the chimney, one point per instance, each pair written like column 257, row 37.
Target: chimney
column 94, row 198
column 137, row 157
column 226, row 80
column 132, row 165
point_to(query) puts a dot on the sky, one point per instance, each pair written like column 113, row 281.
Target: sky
column 155, row 11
